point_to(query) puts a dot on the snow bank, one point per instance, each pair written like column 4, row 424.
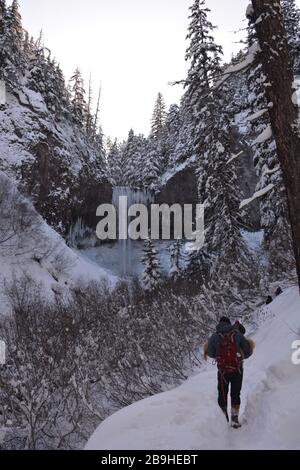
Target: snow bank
column 188, row 417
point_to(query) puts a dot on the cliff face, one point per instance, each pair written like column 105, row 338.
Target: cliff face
column 51, row 160
column 180, row 185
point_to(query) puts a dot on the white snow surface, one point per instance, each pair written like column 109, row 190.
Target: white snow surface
column 188, row 418
column 257, row 195
column 173, row 171
column 257, row 115
column 264, row 136
column 253, row 240
column 241, row 66
column 234, row 157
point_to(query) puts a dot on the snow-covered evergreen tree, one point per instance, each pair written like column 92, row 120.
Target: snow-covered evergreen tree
column 95, row 126
column 114, row 164
column 11, row 40
column 151, row 273
column 152, row 168
column 3, row 32
column 55, row 93
column 203, row 55
column 79, row 105
column 37, row 67
column 224, row 249
column 130, row 160
column 15, row 24
column 141, row 145
column 176, row 261
column 172, row 131
column 291, row 14
column 184, row 145
column 158, row 117
column 89, row 117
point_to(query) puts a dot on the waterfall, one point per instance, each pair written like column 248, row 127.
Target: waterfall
column 134, row 196
column 77, row 232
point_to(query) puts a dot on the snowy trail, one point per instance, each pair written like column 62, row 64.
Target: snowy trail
column 188, row 417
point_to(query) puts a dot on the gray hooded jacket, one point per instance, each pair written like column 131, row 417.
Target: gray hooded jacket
column 240, row 341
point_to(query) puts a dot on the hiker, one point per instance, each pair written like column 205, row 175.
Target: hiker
column 269, row 300
column 278, row 292
column 229, row 347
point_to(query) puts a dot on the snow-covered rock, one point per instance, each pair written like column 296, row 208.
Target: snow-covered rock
column 50, row 158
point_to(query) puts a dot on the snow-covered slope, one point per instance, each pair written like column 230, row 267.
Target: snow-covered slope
column 57, row 273
column 188, row 417
column 33, row 249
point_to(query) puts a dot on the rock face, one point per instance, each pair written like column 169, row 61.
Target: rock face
column 51, row 160
column 248, row 181
column 180, row 188
column 91, row 198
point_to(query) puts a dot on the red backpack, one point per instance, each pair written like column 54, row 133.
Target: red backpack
column 228, row 360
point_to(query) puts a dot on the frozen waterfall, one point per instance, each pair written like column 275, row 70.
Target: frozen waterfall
column 134, row 196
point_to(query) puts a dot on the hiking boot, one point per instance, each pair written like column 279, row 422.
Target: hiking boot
column 235, row 417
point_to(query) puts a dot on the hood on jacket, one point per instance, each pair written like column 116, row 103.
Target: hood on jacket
column 224, row 328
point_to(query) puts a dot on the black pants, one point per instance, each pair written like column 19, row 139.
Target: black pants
column 235, row 381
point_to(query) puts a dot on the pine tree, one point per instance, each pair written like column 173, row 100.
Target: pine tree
column 115, row 172
column 291, row 15
column 175, row 261
column 89, row 118
column 96, row 117
column 2, row 8
column 204, row 58
column 152, row 168
column 130, row 157
column 15, row 24
column 3, row 32
column 11, row 39
column 203, row 55
column 37, row 67
column 172, row 131
column 224, row 247
column 53, row 86
column 151, row 274
column 79, row 105
column 184, row 148
column 158, row 117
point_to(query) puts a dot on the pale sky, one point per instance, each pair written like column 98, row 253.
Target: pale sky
column 134, row 47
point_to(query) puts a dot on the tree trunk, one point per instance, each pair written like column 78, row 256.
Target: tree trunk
column 284, row 113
